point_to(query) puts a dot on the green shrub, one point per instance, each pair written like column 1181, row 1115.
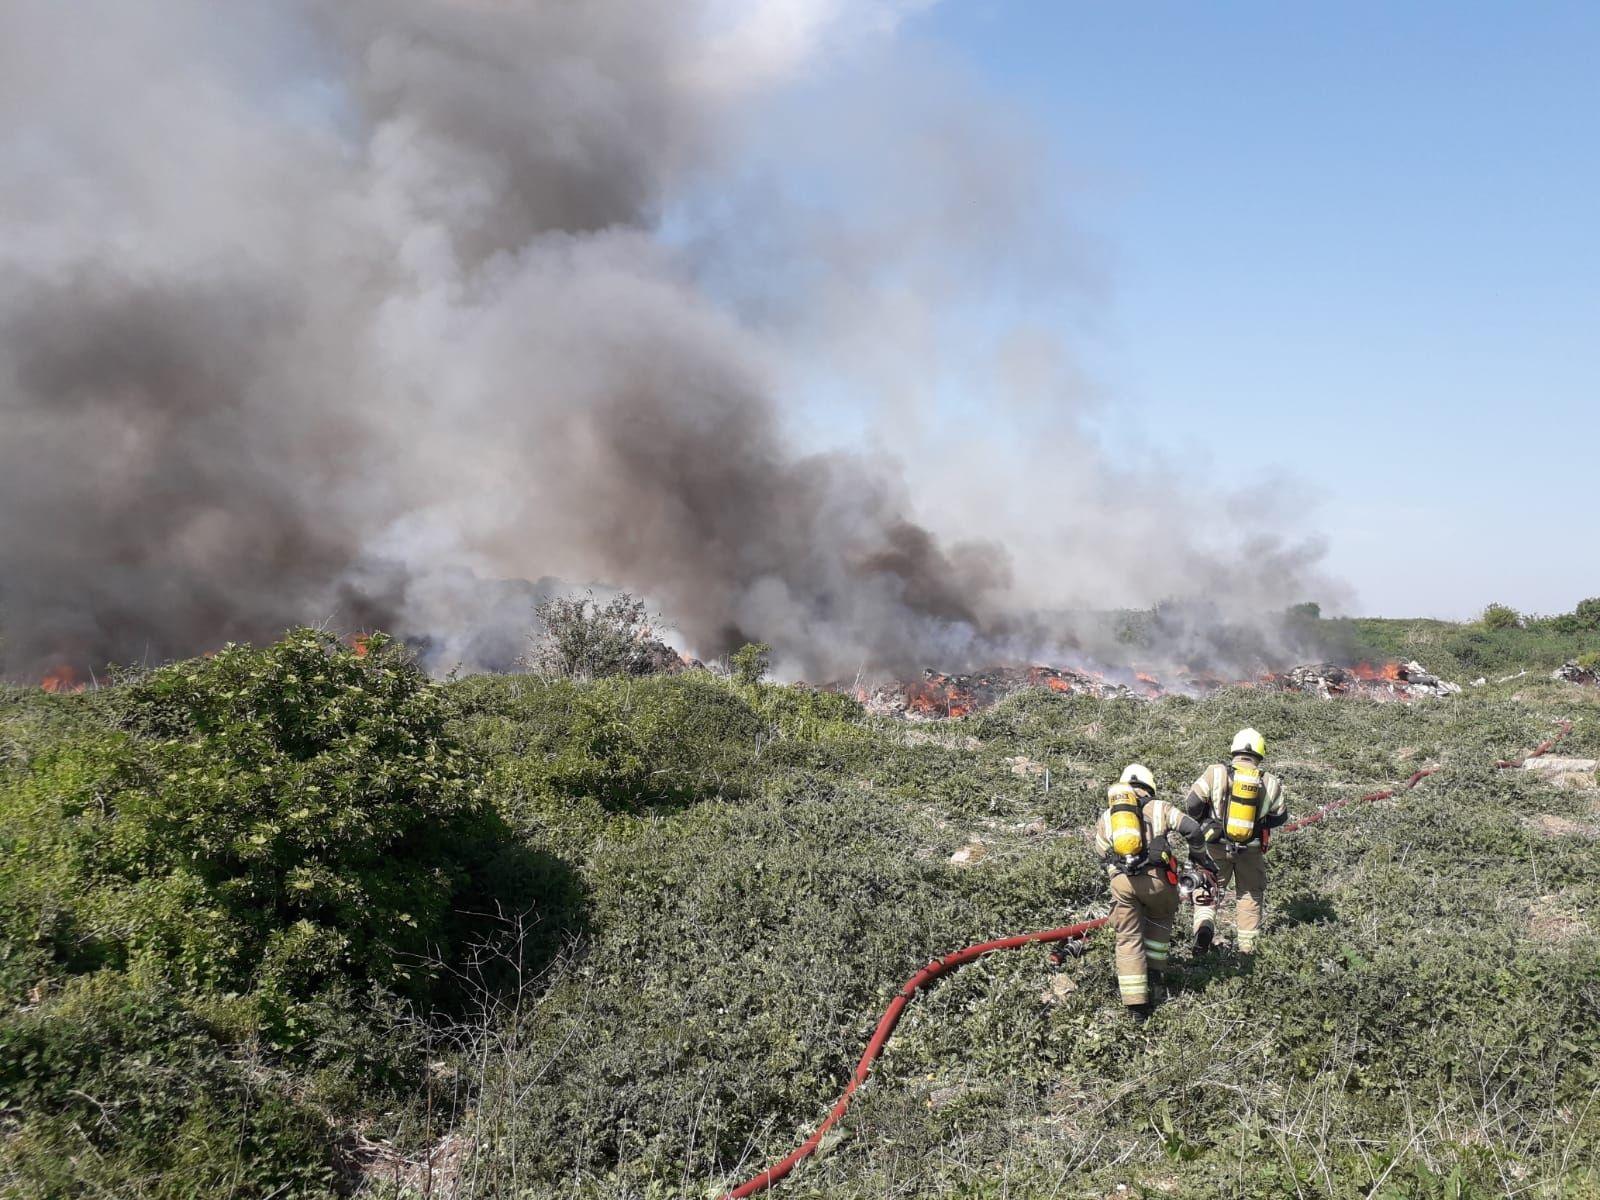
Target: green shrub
column 1589, row 660
column 272, row 823
column 635, row 743
column 750, row 662
column 1587, row 614
column 805, row 714
column 114, row 1087
column 1500, row 616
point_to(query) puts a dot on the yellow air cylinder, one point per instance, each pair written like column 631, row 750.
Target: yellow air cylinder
column 1244, row 803
column 1127, row 826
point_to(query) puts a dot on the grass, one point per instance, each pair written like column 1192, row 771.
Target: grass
column 1467, row 651
column 732, row 880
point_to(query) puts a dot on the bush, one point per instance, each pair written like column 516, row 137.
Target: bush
column 1500, row 616
column 1587, row 614
column 636, row 744
column 1589, row 660
column 579, row 638
column 749, row 663
column 225, row 889
column 276, row 823
column 114, row 1083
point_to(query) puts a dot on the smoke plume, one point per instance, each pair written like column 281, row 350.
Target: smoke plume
column 367, row 312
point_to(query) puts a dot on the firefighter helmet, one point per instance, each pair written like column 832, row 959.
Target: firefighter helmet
column 1248, row 741
column 1140, row 777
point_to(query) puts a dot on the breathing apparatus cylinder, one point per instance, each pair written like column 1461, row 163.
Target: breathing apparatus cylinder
column 1127, row 824
column 1246, row 789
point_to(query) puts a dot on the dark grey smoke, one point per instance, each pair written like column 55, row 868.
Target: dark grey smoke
column 359, row 312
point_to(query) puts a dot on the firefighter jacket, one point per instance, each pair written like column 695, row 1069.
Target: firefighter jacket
column 1160, row 818
column 1208, row 798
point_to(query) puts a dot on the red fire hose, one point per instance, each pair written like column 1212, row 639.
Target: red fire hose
column 886, row 1024
column 943, row 966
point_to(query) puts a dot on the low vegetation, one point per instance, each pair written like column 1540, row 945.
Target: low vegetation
column 297, row 921
column 1501, row 641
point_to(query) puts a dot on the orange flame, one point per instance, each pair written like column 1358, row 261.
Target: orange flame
column 939, row 696
column 1048, row 677
column 1150, row 684
column 1389, row 672
column 62, row 680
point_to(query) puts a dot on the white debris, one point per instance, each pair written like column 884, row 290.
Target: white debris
column 1021, row 764
column 1551, row 764
column 972, row 852
column 1061, row 986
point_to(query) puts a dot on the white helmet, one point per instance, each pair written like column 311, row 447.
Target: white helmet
column 1139, row 775
column 1249, row 741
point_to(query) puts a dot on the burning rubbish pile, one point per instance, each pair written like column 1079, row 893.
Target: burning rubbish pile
column 937, row 696
column 1391, row 681
column 62, row 680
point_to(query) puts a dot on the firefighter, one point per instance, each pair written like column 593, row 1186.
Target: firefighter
column 1238, row 804
column 1131, row 840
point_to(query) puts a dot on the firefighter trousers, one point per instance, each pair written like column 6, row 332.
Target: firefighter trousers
column 1246, row 869
column 1142, row 908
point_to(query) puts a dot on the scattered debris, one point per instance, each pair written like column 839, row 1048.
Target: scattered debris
column 437, row 1173
column 940, row 1096
column 1392, row 681
column 972, row 852
column 1572, row 673
column 1564, row 772
column 1060, row 987
column 1554, row 919
column 1021, row 764
column 1556, row 765
column 938, row 696
column 1550, row 825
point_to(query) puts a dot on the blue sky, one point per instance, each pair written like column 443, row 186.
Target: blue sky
column 1364, row 237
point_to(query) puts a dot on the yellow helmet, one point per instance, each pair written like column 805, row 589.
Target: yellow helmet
column 1249, row 741
column 1139, row 775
